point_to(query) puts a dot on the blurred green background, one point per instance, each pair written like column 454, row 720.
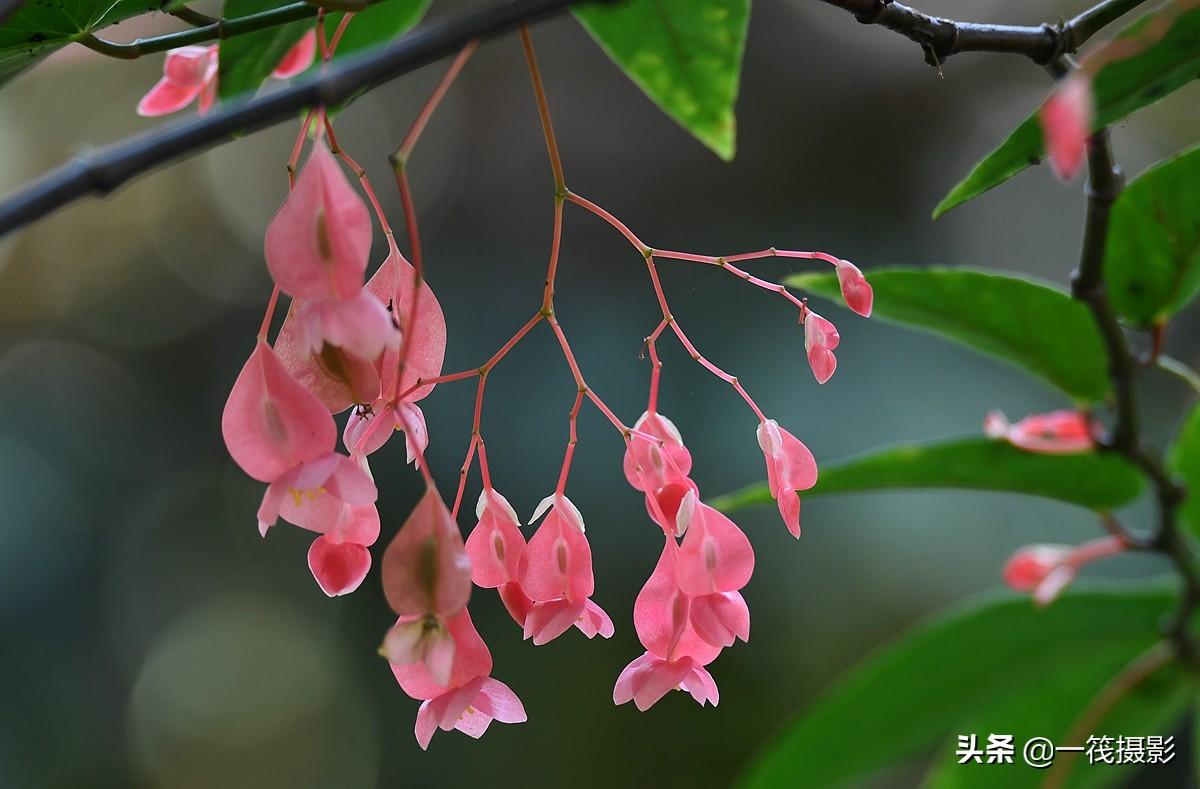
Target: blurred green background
column 150, row 637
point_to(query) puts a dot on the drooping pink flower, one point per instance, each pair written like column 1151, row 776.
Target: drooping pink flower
column 188, row 73
column 555, row 574
column 715, row 555
column 339, row 559
column 298, row 58
column 1061, row 432
column 648, row 465
column 856, row 291
column 279, row 433
column 317, row 247
column 369, row 428
column 1046, row 570
column 820, row 339
column 425, row 567
column 650, row 677
column 790, row 468
column 337, row 377
column 469, row 700
column 1066, row 120
column 721, row 617
column 495, row 544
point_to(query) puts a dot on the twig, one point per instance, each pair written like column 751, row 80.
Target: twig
column 940, row 38
column 105, row 169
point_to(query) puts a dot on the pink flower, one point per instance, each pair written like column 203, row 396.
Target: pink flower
column 338, row 378
column 495, row 544
column 339, row 559
column 650, row 677
column 298, row 58
column 1056, row 433
column 369, row 428
column 317, row 247
column 279, row 433
column 720, row 618
column 648, row 465
column 820, row 338
column 790, row 469
column 469, row 700
column 188, row 73
column 1046, row 570
column 555, row 575
column 856, row 291
column 1066, row 120
column 425, row 568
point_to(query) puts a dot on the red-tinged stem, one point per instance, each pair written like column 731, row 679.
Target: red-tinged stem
column 781, row 253
column 341, row 31
column 691, row 349
column 584, row 389
column 463, row 471
column 265, row 328
column 361, row 174
column 322, row 42
column 555, row 246
column 539, row 90
column 690, row 256
column 476, row 440
column 655, row 366
column 484, row 471
column 573, row 421
column 612, row 220
column 400, row 156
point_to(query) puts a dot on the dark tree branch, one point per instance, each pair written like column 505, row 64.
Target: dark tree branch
column 940, row 38
column 104, row 169
column 1105, row 182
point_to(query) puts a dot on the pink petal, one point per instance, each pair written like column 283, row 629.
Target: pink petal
column 318, row 243
column 1029, row 566
column 700, row 684
column 623, row 690
column 392, row 284
column 663, row 505
column 357, row 324
column 411, row 420
column 298, row 58
column 356, row 524
column 648, row 465
column 790, row 468
column 338, row 567
column 271, row 423
column 856, row 291
column 720, row 618
column 496, row 543
column 167, row 97
column 715, row 555
column 338, row 378
column 425, row 568
column 595, row 622
column 557, row 562
column 820, row 338
column 660, row 611
column 426, row 725
column 471, row 661
column 1066, row 121
column 516, row 602
column 549, row 620
column 498, row 701
column 190, row 66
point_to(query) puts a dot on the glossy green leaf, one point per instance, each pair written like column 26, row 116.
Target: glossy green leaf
column 1183, row 458
column 916, row 692
column 39, row 28
column 1152, row 261
column 1021, row 321
column 247, row 60
column 1050, row 707
column 685, row 54
column 1098, row 481
column 1120, row 88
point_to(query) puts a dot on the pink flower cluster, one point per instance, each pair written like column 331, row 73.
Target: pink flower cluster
column 190, row 73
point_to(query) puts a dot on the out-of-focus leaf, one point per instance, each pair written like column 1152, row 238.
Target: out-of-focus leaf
column 1030, row 324
column 1183, row 458
column 1152, row 261
column 247, row 61
column 1097, row 481
column 685, row 54
column 39, row 28
column 915, row 692
column 1120, row 88
column 1050, row 707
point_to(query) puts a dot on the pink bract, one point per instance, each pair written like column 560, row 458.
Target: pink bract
column 1066, row 120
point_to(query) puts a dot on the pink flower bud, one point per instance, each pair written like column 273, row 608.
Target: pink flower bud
column 648, row 465
column 425, row 568
column 496, row 543
column 820, row 339
column 1066, row 120
column 557, row 562
column 1058, row 432
column 298, row 58
column 188, row 73
column 856, row 291
column 790, row 468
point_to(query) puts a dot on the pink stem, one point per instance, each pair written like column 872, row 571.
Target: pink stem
column 574, row 439
column 655, row 366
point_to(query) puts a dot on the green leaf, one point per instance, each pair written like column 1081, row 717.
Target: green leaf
column 1027, row 323
column 685, row 54
column 915, row 692
column 1152, row 261
column 1051, row 708
column 1120, row 88
column 1183, row 458
column 247, row 61
column 40, row 28
column 1094, row 480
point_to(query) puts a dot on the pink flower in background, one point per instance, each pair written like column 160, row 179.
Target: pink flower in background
column 856, row 291
column 820, row 339
column 1056, row 433
column 1066, row 120
column 188, row 73
column 468, row 699
column 791, row 468
column 279, row 433
column 1046, row 570
column 298, row 58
